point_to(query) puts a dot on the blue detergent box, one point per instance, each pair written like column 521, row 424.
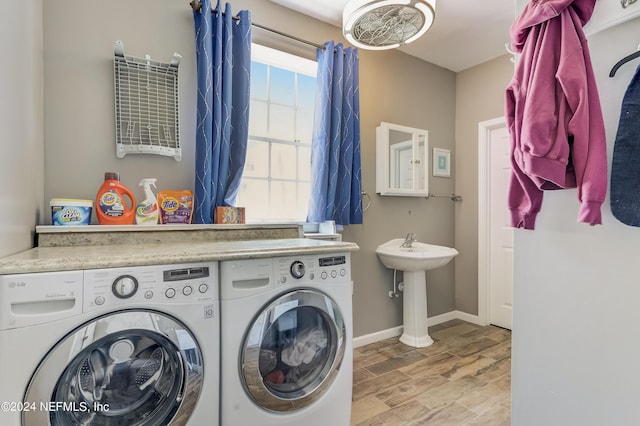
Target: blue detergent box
column 68, row 211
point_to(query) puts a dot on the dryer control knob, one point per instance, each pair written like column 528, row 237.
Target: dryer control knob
column 124, row 286
column 297, row 269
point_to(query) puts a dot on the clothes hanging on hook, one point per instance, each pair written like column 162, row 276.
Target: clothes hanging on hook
column 623, row 61
column 625, row 174
column 553, row 111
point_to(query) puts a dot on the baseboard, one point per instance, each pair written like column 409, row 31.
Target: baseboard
column 439, row 319
column 396, row 331
column 377, row 336
column 474, row 319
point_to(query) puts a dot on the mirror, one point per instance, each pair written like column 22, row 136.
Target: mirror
column 401, row 161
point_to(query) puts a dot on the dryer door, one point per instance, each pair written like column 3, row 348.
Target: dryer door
column 293, row 350
column 136, row 367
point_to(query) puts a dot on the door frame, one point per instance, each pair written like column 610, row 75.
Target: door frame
column 484, row 212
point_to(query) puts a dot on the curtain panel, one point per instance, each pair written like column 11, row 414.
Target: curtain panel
column 336, row 189
column 223, row 61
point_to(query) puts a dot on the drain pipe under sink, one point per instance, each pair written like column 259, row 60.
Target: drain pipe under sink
column 397, row 286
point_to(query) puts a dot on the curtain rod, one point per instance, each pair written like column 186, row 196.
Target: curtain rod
column 196, row 5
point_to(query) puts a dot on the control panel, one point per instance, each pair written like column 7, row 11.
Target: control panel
column 185, row 283
column 331, row 268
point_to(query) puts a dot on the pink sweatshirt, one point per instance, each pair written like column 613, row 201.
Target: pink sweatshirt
column 553, row 112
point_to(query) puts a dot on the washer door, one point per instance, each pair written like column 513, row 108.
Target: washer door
column 135, row 367
column 293, row 350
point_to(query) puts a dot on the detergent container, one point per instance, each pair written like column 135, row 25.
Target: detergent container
column 147, row 210
column 115, row 203
column 69, row 211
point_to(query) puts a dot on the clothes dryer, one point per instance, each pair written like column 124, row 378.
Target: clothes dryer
column 134, row 346
column 286, row 341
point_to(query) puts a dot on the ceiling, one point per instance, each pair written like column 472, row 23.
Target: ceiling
column 465, row 32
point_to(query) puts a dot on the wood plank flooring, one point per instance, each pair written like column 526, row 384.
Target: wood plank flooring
column 464, row 378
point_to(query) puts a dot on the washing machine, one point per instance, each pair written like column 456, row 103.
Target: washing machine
column 122, row 346
column 286, row 340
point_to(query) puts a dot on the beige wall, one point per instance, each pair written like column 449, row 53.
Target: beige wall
column 21, row 129
column 395, row 87
column 479, row 97
column 401, row 89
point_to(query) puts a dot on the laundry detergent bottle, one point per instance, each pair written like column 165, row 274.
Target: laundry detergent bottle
column 147, row 210
column 115, row 203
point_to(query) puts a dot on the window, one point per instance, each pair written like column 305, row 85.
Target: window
column 275, row 183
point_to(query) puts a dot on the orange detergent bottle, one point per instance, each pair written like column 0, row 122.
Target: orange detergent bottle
column 111, row 202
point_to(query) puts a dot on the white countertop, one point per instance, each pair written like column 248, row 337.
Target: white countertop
column 49, row 259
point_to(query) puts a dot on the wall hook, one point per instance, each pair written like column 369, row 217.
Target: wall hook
column 513, row 54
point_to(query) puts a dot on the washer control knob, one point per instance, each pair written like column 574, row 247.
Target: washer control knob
column 170, row 293
column 334, row 274
column 99, row 300
column 148, row 294
column 124, row 286
column 297, row 269
column 323, row 275
column 203, row 288
column 187, row 290
column 283, row 279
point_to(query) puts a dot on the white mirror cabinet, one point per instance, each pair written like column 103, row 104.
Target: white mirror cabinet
column 402, row 161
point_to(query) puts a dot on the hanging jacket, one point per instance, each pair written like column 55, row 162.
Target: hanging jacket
column 553, row 112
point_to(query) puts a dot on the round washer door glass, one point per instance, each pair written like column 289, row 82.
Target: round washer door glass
column 126, row 368
column 293, row 350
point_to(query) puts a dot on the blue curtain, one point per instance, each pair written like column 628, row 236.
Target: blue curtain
column 336, row 189
column 223, row 56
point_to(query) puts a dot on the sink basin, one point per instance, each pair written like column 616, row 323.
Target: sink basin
column 414, row 261
column 418, row 257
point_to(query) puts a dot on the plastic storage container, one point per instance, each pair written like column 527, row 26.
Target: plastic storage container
column 112, row 206
column 70, row 212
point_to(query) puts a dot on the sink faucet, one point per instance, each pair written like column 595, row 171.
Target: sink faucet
column 409, row 240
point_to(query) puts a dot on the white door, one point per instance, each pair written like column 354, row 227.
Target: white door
column 496, row 234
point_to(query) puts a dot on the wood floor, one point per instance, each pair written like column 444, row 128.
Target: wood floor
column 464, row 378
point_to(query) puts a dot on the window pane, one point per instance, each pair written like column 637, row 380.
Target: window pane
column 257, row 162
column 304, row 193
column 286, row 195
column 258, row 118
column 254, row 196
column 304, row 163
column 258, row 80
column 281, row 86
column 306, row 91
column 283, row 161
column 281, row 123
column 304, row 128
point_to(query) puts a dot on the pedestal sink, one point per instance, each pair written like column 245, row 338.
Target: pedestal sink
column 414, row 261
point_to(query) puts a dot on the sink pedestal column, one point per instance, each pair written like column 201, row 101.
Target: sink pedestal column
column 415, row 310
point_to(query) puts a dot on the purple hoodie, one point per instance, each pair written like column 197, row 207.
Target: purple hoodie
column 553, row 112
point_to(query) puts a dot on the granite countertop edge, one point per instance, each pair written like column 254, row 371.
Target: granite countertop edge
column 52, row 259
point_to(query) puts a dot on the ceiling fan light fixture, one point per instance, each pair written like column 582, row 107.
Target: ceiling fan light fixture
column 386, row 24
